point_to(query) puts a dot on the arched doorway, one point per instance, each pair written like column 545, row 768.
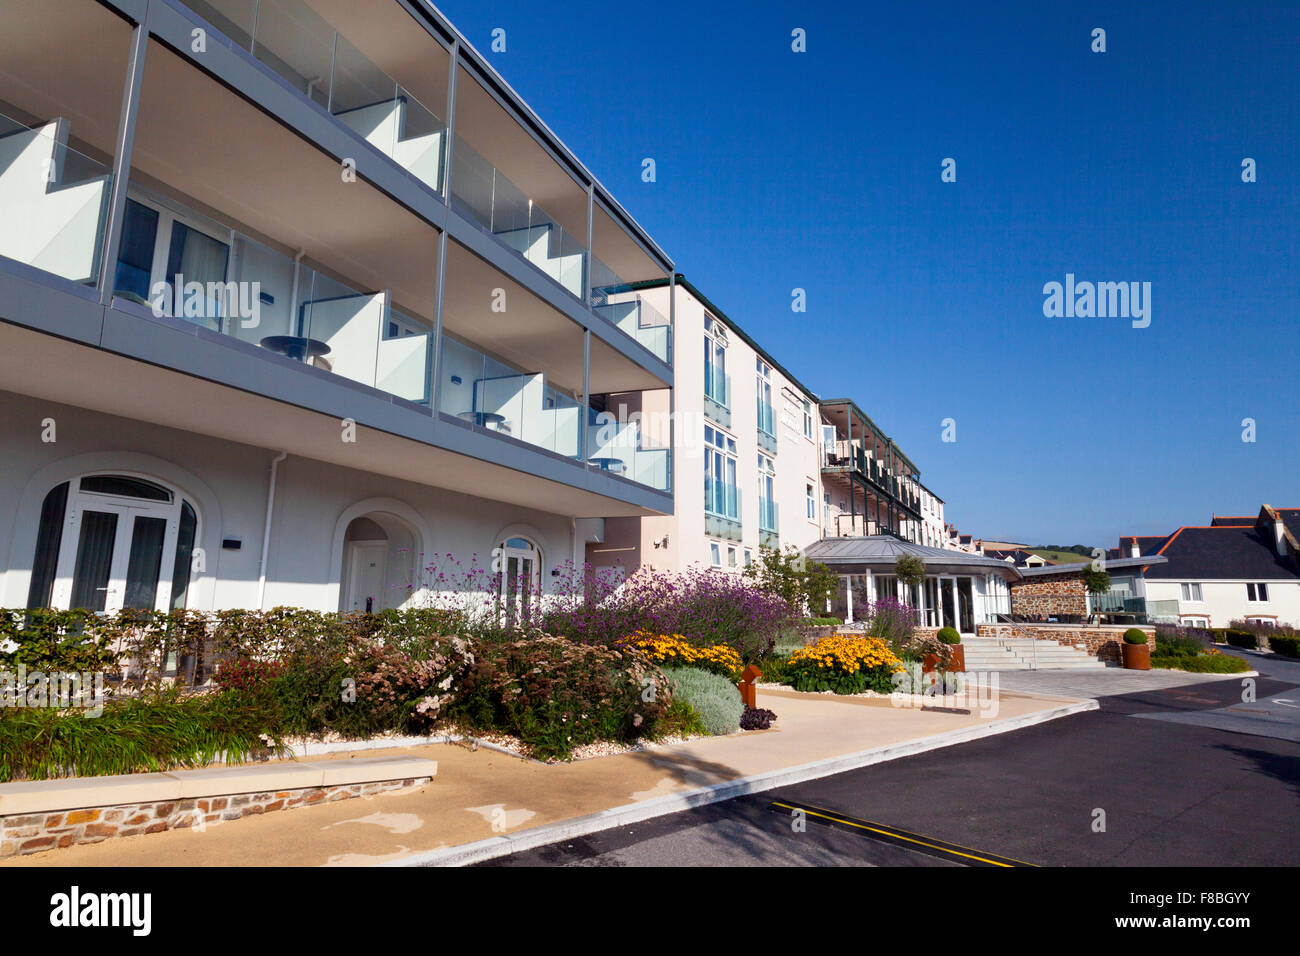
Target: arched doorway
column 112, row 541
column 519, row 563
column 381, row 563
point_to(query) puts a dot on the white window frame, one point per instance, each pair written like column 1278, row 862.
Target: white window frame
column 810, row 499
column 1187, row 589
column 1257, row 592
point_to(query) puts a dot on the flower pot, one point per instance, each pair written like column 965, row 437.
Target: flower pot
column 1137, row 657
column 958, row 666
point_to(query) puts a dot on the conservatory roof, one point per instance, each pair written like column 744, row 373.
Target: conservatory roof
column 878, row 553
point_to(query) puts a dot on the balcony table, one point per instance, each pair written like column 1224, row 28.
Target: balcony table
column 614, row 465
column 492, row 420
column 295, row 346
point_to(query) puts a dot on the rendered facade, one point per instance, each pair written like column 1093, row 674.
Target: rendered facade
column 294, row 296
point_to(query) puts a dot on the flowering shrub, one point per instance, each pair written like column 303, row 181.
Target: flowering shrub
column 555, row 695
column 362, row 687
column 673, row 650
column 249, row 675
column 892, row 622
column 704, row 606
column 845, row 665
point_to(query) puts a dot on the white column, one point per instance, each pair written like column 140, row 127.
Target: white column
column 848, row 594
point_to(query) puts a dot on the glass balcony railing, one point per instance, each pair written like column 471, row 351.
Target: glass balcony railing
column 53, row 201
column 615, row 447
column 717, row 385
column 482, row 192
column 297, row 43
column 252, row 293
column 768, row 514
column 495, row 397
column 499, row 398
column 721, row 499
column 615, row 301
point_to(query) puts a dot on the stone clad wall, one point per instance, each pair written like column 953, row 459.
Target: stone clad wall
column 1104, row 642
column 1050, row 596
column 32, row 833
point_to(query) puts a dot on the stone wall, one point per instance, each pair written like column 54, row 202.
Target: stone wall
column 32, row 833
column 1050, row 596
column 1104, row 642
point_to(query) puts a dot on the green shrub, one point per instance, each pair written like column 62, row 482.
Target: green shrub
column 776, row 669
column 949, row 635
column 1174, row 645
column 1284, row 645
column 714, row 698
column 1135, row 635
column 555, row 695
column 1201, row 664
column 679, row 720
column 1239, row 638
column 159, row 732
column 820, row 622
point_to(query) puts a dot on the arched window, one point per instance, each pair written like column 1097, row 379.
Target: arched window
column 111, row 541
column 520, row 565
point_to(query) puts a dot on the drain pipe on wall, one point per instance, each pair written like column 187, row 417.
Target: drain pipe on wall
column 266, row 533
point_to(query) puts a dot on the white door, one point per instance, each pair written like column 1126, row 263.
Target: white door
column 521, row 579
column 116, row 552
column 368, row 575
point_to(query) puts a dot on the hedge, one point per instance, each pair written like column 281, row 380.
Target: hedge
column 1289, row 645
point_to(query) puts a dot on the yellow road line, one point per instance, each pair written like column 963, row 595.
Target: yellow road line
column 899, row 835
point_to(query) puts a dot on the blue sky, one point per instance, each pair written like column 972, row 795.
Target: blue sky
column 821, row 170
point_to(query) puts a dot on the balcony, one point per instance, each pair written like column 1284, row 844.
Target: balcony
column 266, row 299
column 325, row 67
column 846, row 454
column 614, row 301
column 489, row 395
column 766, row 427
column 769, row 525
column 717, row 394
column 483, row 193
column 721, row 509
column 842, row 524
column 55, row 201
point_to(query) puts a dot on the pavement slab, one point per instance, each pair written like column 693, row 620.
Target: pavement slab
column 481, row 794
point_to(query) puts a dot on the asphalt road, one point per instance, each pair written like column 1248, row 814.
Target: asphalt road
column 1177, row 776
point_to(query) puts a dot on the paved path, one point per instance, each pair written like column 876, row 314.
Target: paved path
column 1173, row 793
column 484, row 794
column 1112, row 682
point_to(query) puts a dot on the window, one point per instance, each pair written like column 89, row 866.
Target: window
column 107, row 542
column 715, row 362
column 1196, row 622
column 720, row 495
column 1191, row 592
column 766, row 415
column 807, row 420
column 767, row 510
column 715, row 554
column 749, row 557
column 1256, row 592
column 810, row 500
column 157, row 246
column 731, row 557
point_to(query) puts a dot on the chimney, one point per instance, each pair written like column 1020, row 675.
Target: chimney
column 1133, row 550
column 1279, row 529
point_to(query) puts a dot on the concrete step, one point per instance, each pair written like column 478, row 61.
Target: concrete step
column 990, row 654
